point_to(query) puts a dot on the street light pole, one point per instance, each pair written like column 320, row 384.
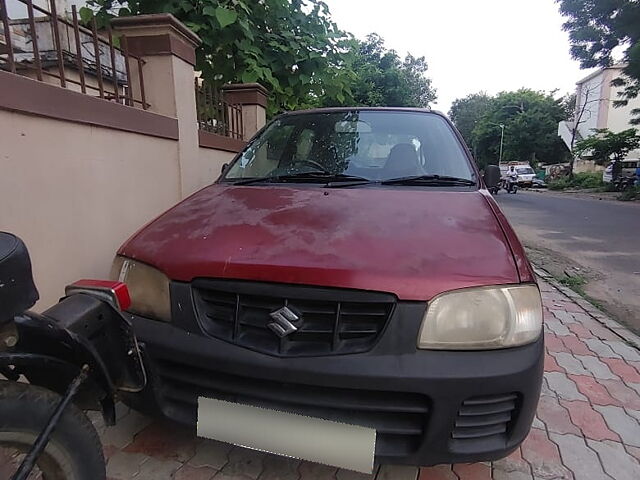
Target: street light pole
column 501, row 141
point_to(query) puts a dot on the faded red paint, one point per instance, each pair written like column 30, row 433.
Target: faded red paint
column 414, row 242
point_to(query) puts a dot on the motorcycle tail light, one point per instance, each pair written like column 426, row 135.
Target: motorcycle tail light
column 116, row 292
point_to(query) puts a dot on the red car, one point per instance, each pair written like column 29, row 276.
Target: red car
column 348, row 265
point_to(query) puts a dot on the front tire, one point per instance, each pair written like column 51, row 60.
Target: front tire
column 74, row 451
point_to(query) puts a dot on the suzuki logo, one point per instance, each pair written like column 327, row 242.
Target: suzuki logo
column 284, row 320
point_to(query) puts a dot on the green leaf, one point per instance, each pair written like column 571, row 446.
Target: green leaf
column 249, row 76
column 209, row 11
column 86, row 14
column 226, row 16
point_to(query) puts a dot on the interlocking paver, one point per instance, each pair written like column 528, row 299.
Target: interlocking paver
column 472, row 471
column 625, row 351
column 543, row 456
column 620, row 422
column 245, row 462
column 397, row 472
column 575, row 345
column 618, row 390
column 440, row 472
column 212, row 454
column 514, row 462
column 555, row 416
column 551, row 365
column 563, row 386
column 600, row 348
column 565, row 317
column 285, row 468
column 557, row 327
column 615, row 460
column 589, row 421
column 155, row 469
column 570, row 363
column 554, row 344
column 123, row 466
column 594, row 391
column 623, row 369
column 578, row 457
column 187, row 472
column 597, row 368
column 165, row 441
column 122, row 435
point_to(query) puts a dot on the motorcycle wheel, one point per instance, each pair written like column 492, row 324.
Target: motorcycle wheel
column 74, row 451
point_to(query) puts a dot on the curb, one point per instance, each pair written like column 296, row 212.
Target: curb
column 623, row 332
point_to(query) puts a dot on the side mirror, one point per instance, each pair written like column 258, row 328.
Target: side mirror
column 224, row 168
column 491, row 176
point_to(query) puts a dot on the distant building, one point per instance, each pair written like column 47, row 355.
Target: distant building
column 594, row 99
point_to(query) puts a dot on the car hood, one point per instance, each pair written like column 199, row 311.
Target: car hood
column 414, row 242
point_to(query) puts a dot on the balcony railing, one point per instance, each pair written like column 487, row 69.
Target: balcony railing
column 45, row 46
column 215, row 114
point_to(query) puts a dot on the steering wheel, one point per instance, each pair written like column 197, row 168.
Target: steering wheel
column 319, row 166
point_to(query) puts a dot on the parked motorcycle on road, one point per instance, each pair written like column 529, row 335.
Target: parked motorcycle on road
column 77, row 355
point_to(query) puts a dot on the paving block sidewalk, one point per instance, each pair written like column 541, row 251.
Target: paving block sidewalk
column 587, row 425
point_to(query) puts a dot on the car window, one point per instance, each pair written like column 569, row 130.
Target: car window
column 376, row 145
column 525, row 171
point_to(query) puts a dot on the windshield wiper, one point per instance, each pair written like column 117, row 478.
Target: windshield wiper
column 311, row 176
column 428, row 180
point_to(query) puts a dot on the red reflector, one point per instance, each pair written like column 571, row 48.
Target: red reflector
column 118, row 290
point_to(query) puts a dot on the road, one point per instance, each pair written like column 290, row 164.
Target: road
column 601, row 237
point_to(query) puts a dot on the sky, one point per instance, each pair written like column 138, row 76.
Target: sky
column 471, row 45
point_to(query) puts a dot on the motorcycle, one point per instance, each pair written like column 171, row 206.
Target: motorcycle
column 78, row 355
column 510, row 184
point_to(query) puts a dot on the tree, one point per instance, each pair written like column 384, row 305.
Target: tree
column 596, row 28
column 466, row 112
column 530, row 120
column 606, row 145
column 587, row 95
column 292, row 47
column 382, row 79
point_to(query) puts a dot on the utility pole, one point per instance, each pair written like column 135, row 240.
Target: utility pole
column 501, row 141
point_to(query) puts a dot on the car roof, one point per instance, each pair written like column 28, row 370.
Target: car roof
column 361, row 109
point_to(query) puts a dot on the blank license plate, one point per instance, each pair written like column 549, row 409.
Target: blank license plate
column 308, row 438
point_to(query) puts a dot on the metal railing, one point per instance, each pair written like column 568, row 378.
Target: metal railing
column 48, row 45
column 215, row 114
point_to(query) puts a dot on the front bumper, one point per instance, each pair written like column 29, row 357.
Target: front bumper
column 428, row 407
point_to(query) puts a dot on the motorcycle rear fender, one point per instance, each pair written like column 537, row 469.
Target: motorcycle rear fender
column 80, row 330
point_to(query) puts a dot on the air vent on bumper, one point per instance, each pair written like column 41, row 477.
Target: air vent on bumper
column 485, row 418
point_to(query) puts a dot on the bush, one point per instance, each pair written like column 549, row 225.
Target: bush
column 579, row 181
column 587, row 180
column 629, row 195
column 559, row 184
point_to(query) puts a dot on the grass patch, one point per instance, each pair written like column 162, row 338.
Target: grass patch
column 630, row 195
column 579, row 181
column 575, row 283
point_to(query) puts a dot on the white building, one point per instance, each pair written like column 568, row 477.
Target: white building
column 594, row 109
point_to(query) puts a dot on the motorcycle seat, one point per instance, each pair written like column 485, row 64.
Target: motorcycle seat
column 18, row 292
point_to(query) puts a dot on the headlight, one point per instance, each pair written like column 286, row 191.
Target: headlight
column 482, row 318
column 148, row 288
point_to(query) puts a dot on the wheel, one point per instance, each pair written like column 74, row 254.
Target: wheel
column 74, row 451
column 514, row 189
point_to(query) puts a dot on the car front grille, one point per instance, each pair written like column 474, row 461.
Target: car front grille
column 483, row 418
column 399, row 418
column 333, row 321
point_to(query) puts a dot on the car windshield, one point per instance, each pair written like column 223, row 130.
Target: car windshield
column 525, row 171
column 363, row 145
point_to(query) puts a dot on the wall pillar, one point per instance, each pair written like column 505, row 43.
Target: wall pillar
column 253, row 99
column 168, row 49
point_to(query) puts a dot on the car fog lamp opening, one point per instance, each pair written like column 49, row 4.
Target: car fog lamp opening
column 482, row 318
column 148, row 288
